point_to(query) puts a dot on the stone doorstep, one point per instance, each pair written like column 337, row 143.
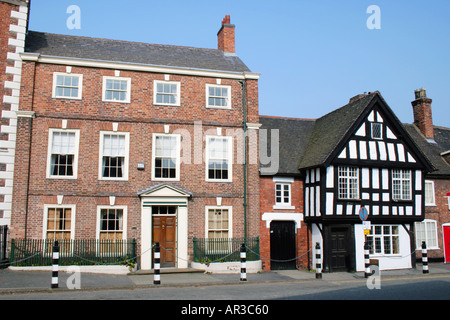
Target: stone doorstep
column 167, row 271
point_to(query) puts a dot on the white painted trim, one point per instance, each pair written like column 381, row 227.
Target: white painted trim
column 72, row 218
column 137, row 67
column 230, row 219
column 229, row 140
column 75, row 158
column 178, row 94
column 178, row 151
column 209, row 85
column 124, row 219
column 128, row 94
column 268, row 217
column 80, row 85
column 126, row 160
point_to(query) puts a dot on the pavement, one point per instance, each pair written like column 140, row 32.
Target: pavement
column 15, row 281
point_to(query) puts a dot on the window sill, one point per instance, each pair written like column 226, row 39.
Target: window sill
column 283, row 207
column 166, row 105
column 67, row 98
column 116, row 101
column 214, row 107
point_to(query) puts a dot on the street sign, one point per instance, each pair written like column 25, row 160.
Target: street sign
column 366, row 225
column 363, row 214
column 367, row 232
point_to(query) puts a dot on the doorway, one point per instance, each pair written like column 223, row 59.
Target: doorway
column 446, row 239
column 164, row 232
column 340, row 249
column 282, row 245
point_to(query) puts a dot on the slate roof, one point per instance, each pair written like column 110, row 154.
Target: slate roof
column 132, row 52
column 433, row 150
column 330, row 129
column 293, row 133
column 309, row 143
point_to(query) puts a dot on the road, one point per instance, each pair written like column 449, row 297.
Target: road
column 432, row 287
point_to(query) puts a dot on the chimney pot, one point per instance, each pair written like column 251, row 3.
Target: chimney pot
column 420, row 93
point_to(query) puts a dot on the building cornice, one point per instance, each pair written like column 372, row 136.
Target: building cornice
column 116, row 65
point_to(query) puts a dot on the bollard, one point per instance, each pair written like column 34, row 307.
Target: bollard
column 318, row 262
column 424, row 258
column 55, row 265
column 243, row 263
column 157, row 266
column 367, row 272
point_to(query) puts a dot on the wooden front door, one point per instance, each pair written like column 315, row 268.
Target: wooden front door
column 164, row 232
column 339, row 249
column 446, row 231
column 282, row 245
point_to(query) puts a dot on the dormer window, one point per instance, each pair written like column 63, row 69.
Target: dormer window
column 377, row 130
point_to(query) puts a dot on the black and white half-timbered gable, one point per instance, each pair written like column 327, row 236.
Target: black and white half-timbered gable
column 360, row 156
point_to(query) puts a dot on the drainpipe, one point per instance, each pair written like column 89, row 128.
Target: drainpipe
column 244, row 124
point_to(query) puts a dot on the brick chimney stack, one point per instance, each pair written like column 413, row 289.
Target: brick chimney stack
column 422, row 113
column 225, row 36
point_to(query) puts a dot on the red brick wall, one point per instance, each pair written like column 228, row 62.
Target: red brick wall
column 440, row 213
column 267, row 201
column 140, row 118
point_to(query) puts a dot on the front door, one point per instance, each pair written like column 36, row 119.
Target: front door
column 339, row 249
column 164, row 232
column 282, row 245
column 446, row 231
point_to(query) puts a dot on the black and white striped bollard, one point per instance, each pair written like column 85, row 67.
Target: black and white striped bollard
column 367, row 272
column 157, row 266
column 55, row 265
column 318, row 262
column 424, row 258
column 243, row 263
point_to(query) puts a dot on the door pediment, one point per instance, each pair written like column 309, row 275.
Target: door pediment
column 165, row 191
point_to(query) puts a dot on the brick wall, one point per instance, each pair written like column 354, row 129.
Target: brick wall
column 267, row 201
column 141, row 118
column 441, row 214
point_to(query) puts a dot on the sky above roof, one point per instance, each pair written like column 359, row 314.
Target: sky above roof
column 313, row 56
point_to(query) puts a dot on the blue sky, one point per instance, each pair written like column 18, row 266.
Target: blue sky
column 312, row 55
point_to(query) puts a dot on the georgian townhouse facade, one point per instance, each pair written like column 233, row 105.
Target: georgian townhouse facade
column 120, row 140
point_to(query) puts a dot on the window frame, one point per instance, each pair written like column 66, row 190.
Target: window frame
column 80, row 85
column 371, row 239
column 178, row 94
column 380, row 124
column 230, row 220
column 72, row 207
column 126, row 161
column 177, row 159
column 348, row 178
column 419, row 240
column 128, row 91
column 75, row 157
column 124, row 219
column 228, row 97
column 431, row 184
column 229, row 142
column 402, row 181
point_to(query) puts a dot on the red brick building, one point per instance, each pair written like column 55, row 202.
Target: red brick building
column 285, row 239
column 124, row 140
column 435, row 143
